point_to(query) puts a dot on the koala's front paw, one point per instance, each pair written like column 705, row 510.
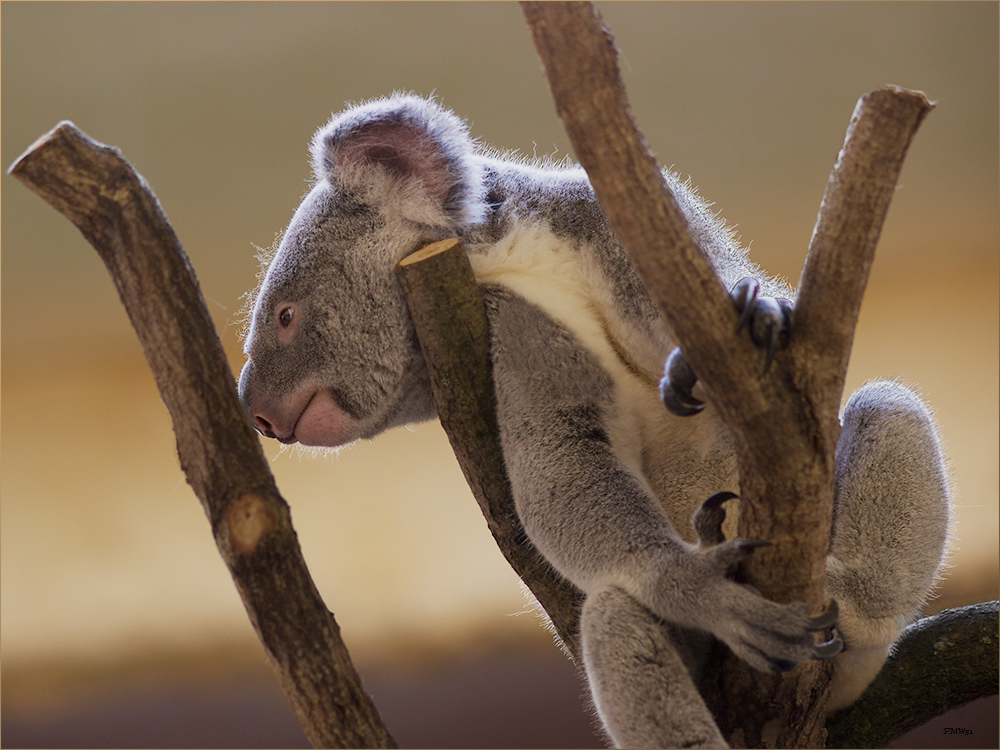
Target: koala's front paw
column 769, row 320
column 766, row 635
column 773, row 637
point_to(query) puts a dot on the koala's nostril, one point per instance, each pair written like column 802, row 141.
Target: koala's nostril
column 263, row 426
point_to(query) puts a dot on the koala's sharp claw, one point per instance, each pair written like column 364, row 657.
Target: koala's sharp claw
column 824, row 621
column 708, row 519
column 829, row 649
column 744, row 296
column 768, row 319
column 679, row 404
column 675, row 387
column 716, row 500
column 771, row 326
column 827, row 618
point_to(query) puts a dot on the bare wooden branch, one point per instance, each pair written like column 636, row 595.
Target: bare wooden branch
column 98, row 190
column 939, row 663
column 784, row 426
column 847, row 228
column 450, row 318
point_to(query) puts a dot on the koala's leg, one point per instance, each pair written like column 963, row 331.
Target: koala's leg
column 890, row 527
column 638, row 677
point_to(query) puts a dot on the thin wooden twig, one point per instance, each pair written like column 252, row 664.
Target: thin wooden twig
column 848, row 225
column 99, row 191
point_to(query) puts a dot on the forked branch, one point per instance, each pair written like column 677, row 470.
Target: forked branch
column 783, row 425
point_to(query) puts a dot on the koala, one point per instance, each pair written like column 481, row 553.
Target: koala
column 620, row 494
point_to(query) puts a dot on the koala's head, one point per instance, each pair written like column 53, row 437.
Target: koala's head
column 331, row 352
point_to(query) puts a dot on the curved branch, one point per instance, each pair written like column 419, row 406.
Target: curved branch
column 580, row 61
column 939, row 663
column 98, row 190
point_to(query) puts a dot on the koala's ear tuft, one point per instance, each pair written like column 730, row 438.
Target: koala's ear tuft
column 404, row 154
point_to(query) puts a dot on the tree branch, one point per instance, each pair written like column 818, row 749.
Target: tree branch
column 450, row 319
column 939, row 663
column 847, row 228
column 784, row 425
column 98, row 190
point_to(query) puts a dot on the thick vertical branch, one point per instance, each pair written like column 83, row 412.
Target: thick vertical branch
column 97, row 189
column 581, row 64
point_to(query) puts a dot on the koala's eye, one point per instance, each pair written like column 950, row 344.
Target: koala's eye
column 285, row 316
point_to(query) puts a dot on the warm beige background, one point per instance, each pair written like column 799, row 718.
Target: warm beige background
column 106, row 555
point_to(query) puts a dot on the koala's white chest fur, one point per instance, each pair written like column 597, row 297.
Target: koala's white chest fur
column 682, row 460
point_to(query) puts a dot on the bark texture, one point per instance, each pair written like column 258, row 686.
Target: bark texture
column 939, row 663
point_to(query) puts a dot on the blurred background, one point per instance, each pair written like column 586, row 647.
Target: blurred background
column 120, row 624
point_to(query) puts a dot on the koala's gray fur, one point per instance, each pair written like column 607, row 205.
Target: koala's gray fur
column 605, row 479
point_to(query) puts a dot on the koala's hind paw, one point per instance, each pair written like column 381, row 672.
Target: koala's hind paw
column 781, row 649
column 769, row 319
column 676, row 385
column 774, row 637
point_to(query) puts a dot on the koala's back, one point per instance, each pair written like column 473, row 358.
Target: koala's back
column 548, row 241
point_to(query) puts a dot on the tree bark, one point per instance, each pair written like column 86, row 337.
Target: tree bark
column 939, row 663
column 783, row 425
column 98, row 190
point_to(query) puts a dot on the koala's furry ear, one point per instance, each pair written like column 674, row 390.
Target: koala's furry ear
column 404, row 154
